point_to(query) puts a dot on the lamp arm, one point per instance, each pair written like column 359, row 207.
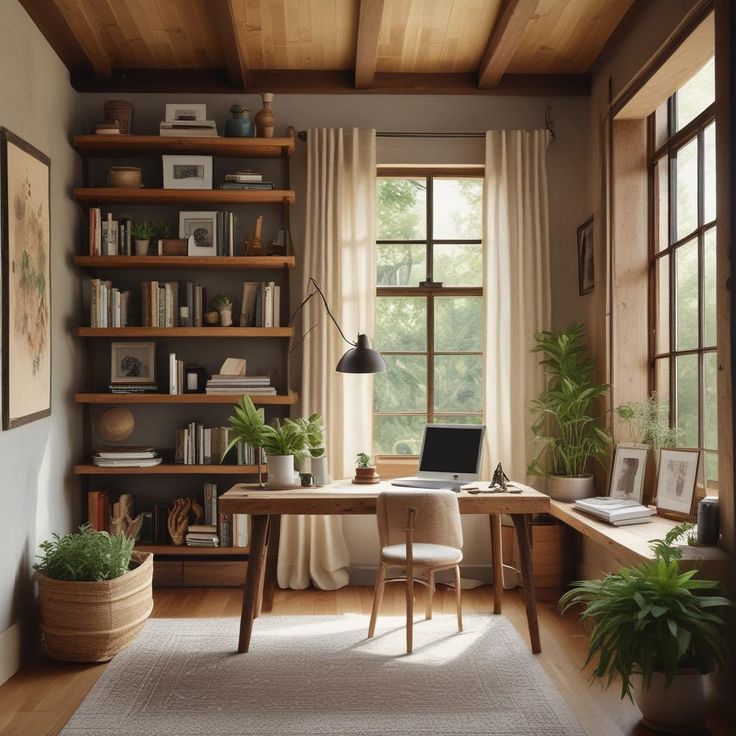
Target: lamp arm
column 317, row 291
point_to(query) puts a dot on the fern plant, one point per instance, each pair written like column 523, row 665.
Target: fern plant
column 246, row 424
column 651, row 618
column 565, row 425
column 86, row 555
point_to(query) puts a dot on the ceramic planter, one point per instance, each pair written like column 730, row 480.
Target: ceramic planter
column 679, row 708
column 141, row 247
column 570, row 487
column 281, row 473
column 366, row 476
column 319, row 471
column 226, row 317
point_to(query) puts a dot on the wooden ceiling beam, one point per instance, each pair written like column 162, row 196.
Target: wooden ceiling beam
column 235, row 57
column 366, row 53
column 505, row 37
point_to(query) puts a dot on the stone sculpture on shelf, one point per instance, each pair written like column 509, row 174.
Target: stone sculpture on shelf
column 122, row 520
column 499, row 480
column 178, row 522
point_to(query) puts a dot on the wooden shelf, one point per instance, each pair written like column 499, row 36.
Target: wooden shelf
column 115, row 332
column 170, row 469
column 154, row 398
column 121, row 195
column 154, row 145
column 199, row 262
column 171, row 550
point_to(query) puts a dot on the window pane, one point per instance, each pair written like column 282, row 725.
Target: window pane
column 398, row 435
column 401, row 265
column 663, row 304
column 458, row 265
column 458, row 325
column 686, row 163
column 662, row 381
column 458, row 419
column 687, row 400
column 458, row 382
column 402, row 209
column 404, row 385
column 662, row 202
column 711, row 467
column 696, row 94
column 709, row 287
column 709, row 173
column 710, row 409
column 457, row 209
column 686, row 299
column 401, row 323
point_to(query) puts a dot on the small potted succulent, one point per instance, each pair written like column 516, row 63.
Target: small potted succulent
column 142, row 233
column 365, row 471
column 224, row 305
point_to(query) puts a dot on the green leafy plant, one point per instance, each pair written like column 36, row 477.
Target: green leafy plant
column 223, row 302
column 314, row 431
column 651, row 618
column 565, row 426
column 86, row 555
column 648, row 423
column 284, row 438
column 143, row 230
column 246, row 424
column 363, row 460
column 161, row 229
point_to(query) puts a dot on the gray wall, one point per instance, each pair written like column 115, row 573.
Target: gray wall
column 37, row 493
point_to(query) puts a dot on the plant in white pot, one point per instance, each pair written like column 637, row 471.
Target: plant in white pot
column 142, row 233
column 94, row 594
column 569, row 433
column 314, row 431
column 660, row 630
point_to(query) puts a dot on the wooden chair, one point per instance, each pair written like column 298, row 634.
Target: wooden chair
column 418, row 531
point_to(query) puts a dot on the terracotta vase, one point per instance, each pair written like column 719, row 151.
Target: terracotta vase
column 265, row 118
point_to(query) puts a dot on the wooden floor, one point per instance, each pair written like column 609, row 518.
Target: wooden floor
column 40, row 699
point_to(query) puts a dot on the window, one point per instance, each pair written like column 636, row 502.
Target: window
column 683, row 359
column 429, row 323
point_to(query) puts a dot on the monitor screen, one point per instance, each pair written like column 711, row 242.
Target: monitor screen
column 451, row 448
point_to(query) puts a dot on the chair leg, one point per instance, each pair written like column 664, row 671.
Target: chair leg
column 377, row 598
column 458, row 599
column 409, row 609
column 430, row 594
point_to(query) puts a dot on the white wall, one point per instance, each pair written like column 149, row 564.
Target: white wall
column 37, row 492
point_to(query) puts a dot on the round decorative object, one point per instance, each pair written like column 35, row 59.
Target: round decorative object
column 240, row 124
column 120, row 112
column 212, row 318
column 125, row 176
column 115, row 425
column 265, row 118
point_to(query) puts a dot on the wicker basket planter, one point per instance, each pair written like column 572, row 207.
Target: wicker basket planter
column 92, row 622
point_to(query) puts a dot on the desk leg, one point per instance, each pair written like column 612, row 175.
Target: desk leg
column 497, row 559
column 253, row 579
column 527, row 572
column 272, row 561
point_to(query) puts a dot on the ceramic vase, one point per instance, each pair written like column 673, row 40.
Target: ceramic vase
column 319, row 471
column 281, row 473
column 226, row 317
column 240, row 124
column 265, row 118
column 570, row 487
column 679, row 708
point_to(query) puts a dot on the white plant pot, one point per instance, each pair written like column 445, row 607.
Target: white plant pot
column 570, row 487
column 319, row 471
column 679, row 708
column 226, row 317
column 141, row 247
column 281, row 473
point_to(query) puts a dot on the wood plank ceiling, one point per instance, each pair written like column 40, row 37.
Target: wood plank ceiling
column 395, row 46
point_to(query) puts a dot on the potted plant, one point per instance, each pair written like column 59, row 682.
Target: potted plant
column 314, row 431
column 565, row 425
column 142, row 233
column 365, row 471
column 224, row 305
column 659, row 630
column 94, row 594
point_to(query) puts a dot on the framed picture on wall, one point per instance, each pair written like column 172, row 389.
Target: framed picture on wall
column 586, row 266
column 26, row 281
column 627, row 472
column 676, row 479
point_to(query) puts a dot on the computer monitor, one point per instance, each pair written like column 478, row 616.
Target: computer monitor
column 451, row 452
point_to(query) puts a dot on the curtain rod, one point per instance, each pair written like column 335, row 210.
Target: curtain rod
column 302, row 135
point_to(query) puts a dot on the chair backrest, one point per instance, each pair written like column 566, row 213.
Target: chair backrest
column 437, row 519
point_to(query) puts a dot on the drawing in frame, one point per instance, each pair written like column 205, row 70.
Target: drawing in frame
column 586, row 265
column 676, row 480
column 25, row 231
column 628, row 472
column 187, row 172
column 200, row 229
column 133, row 363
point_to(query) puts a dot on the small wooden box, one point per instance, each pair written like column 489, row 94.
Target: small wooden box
column 173, row 247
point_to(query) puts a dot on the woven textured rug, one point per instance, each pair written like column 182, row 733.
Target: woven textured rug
column 320, row 676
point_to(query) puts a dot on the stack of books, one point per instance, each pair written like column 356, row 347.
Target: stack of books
column 172, row 303
column 108, row 305
column 246, row 180
column 260, row 304
column 202, row 535
column 126, row 457
column 189, row 128
column 200, row 445
column 237, row 385
column 133, row 388
column 616, row 511
column 108, row 237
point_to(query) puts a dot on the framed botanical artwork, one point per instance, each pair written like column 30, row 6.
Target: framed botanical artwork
column 676, row 479
column 200, row 228
column 133, row 362
column 586, row 266
column 187, row 172
column 26, row 281
column 627, row 472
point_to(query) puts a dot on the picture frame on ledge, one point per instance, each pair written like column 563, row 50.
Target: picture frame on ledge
column 187, row 172
column 132, row 363
column 628, row 471
column 676, row 481
column 586, row 264
column 200, row 229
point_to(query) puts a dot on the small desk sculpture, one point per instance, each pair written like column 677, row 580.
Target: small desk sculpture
column 499, row 480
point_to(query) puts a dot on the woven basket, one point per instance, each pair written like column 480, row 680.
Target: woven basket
column 120, row 112
column 92, row 622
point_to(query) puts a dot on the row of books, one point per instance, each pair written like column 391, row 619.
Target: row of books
column 109, row 306
column 260, row 304
column 225, row 235
column 222, row 384
column 108, row 236
column 615, row 511
column 200, row 445
column 173, row 304
column 126, row 457
column 188, row 128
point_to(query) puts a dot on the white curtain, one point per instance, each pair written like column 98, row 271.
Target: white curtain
column 339, row 254
column 516, row 290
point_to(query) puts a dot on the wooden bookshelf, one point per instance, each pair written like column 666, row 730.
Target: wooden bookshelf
column 186, row 399
column 115, row 332
column 169, row 469
column 224, row 263
column 172, row 550
column 123, row 195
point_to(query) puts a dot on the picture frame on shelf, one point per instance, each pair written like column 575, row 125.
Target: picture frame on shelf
column 200, row 228
column 186, row 111
column 132, row 363
column 187, row 172
column 676, row 481
column 25, row 255
column 586, row 264
column 628, row 471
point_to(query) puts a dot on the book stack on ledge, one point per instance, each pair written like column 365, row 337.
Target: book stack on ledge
column 238, row 385
column 126, row 457
column 616, row 511
column 108, row 304
column 246, row 179
column 202, row 535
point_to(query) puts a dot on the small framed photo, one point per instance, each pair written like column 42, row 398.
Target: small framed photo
column 186, row 111
column 187, row 172
column 586, row 266
column 627, row 472
column 676, row 479
column 133, row 362
column 200, row 228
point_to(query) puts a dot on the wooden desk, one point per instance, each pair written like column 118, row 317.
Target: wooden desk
column 266, row 507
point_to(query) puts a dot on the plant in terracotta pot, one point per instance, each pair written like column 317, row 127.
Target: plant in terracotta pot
column 365, row 471
column 566, row 427
column 224, row 305
column 142, row 233
column 314, row 430
column 94, row 594
column 660, row 630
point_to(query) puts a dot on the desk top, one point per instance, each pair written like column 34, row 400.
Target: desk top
column 343, row 497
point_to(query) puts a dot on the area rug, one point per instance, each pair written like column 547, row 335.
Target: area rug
column 320, row 676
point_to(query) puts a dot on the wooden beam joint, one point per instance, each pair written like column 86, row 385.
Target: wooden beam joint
column 366, row 53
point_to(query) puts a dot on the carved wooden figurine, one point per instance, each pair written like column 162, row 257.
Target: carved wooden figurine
column 254, row 246
column 178, row 522
column 122, row 520
column 197, row 511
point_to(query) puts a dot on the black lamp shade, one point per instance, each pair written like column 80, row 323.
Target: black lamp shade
column 361, row 359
